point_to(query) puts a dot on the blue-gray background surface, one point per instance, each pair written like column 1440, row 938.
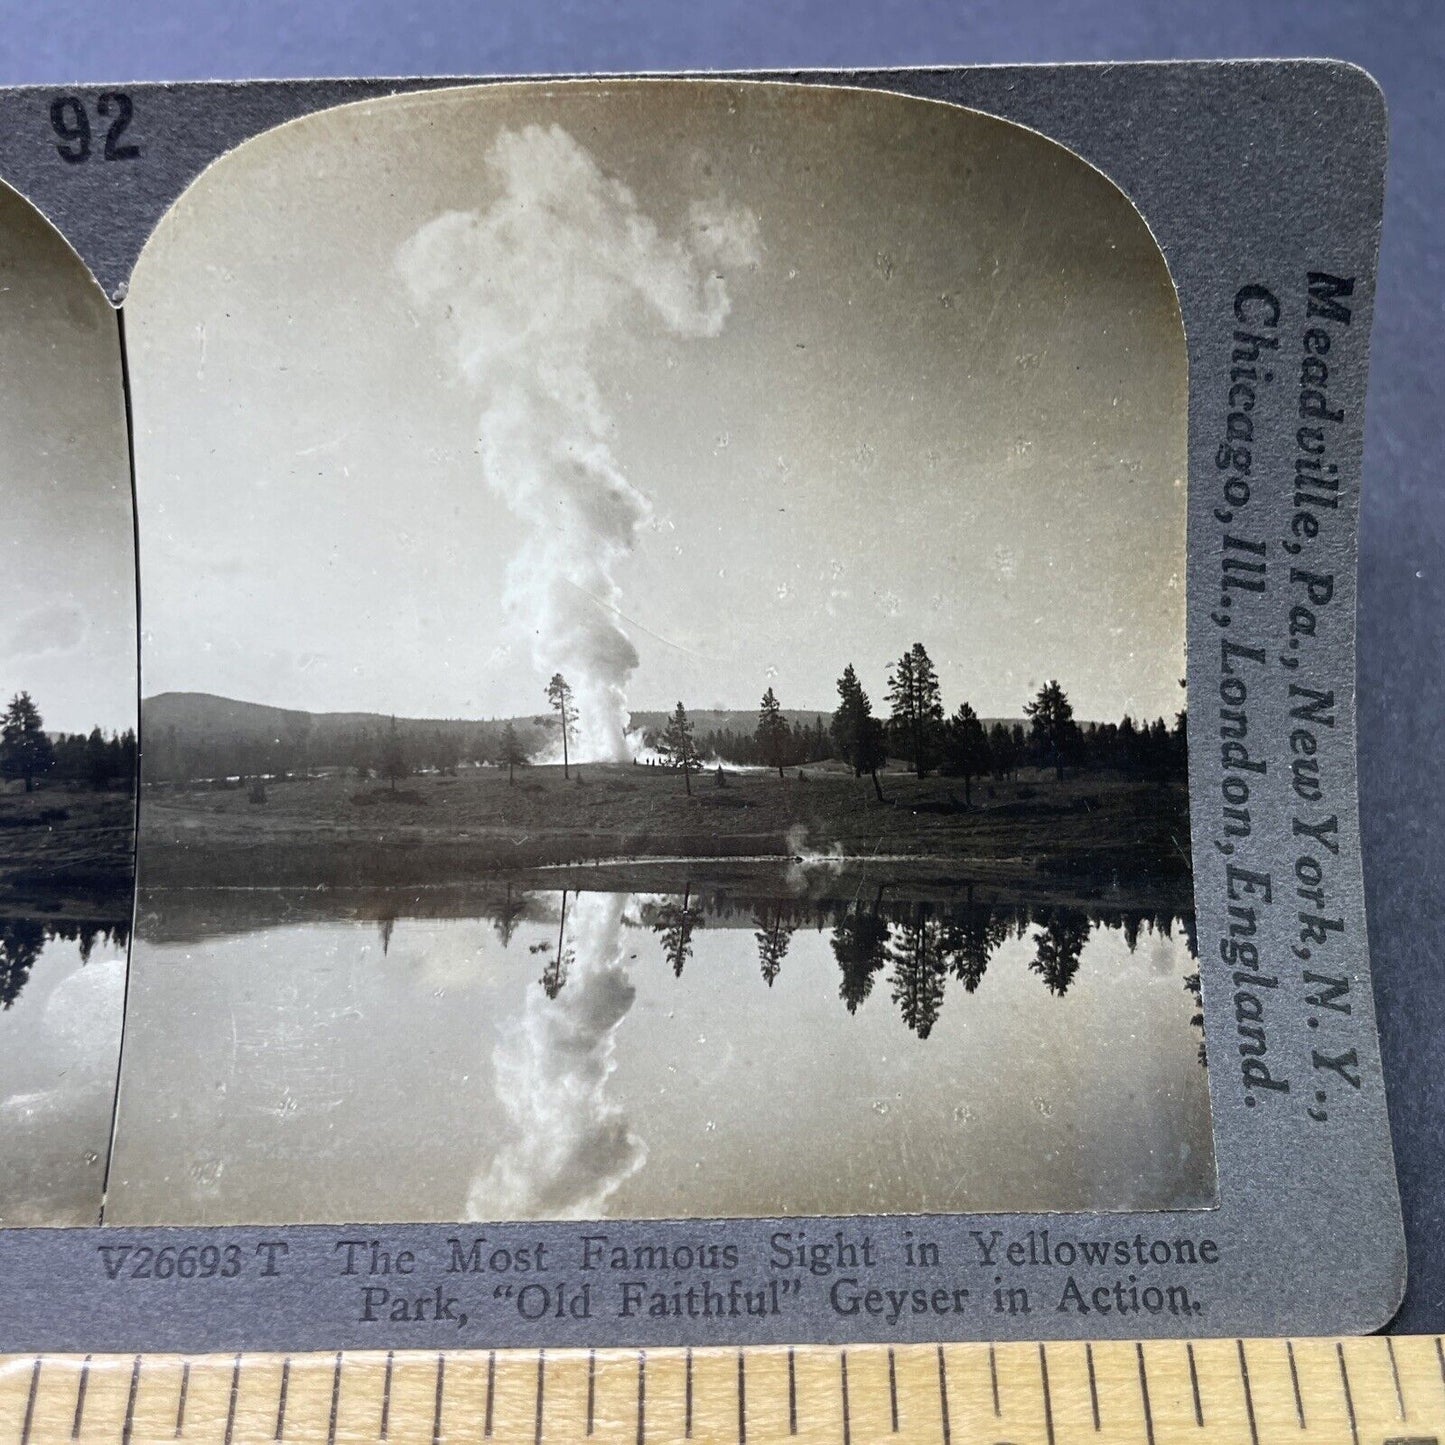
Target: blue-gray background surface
column 1402, row 570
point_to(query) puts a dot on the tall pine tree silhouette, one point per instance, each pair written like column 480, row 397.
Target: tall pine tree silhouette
column 772, row 733
column 917, row 708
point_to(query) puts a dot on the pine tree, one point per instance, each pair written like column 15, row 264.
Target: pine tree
column 917, row 707
column 1128, row 744
column 1002, row 755
column 1054, row 728
column 559, row 694
column 853, row 707
column 965, row 746
column 513, row 754
column 97, row 759
column 25, row 749
column 1160, row 748
column 677, row 746
column 772, row 733
column 393, row 758
column 857, row 734
column 1179, row 744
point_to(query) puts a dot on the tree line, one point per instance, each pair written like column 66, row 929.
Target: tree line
column 295, row 751
column 96, row 759
column 918, row 731
column 915, row 730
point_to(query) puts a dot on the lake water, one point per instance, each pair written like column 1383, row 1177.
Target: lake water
column 540, row 1055
column 62, row 992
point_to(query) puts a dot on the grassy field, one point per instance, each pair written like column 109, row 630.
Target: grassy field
column 63, row 850
column 1084, row 835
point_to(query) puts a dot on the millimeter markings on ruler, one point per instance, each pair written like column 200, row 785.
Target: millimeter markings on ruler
column 1375, row 1391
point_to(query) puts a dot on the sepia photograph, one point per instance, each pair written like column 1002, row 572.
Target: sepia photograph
column 67, row 723
column 663, row 657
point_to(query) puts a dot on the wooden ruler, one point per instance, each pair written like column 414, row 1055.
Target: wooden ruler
column 1376, row 1391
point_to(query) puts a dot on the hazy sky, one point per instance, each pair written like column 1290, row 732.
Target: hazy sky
column 844, row 372
column 67, row 552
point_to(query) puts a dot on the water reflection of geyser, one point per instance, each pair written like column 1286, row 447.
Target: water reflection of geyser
column 567, row 1149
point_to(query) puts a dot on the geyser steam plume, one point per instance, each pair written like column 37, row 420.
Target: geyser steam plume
column 568, row 1148
column 520, row 293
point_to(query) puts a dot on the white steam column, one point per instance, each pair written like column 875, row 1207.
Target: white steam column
column 518, row 293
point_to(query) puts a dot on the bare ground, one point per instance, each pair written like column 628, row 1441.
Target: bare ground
column 64, row 851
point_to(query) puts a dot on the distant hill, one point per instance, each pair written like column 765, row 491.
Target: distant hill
column 196, row 735
column 738, row 720
column 189, row 735
column 199, row 714
column 202, row 714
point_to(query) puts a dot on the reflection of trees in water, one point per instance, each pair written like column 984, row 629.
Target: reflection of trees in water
column 1060, row 945
column 1196, row 1019
column 774, row 934
column 922, row 946
column 22, row 940
column 972, row 935
column 860, row 944
column 919, row 969
column 673, row 922
column 510, row 912
column 927, row 944
column 559, row 962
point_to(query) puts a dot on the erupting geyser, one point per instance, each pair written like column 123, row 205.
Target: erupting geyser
column 520, row 292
